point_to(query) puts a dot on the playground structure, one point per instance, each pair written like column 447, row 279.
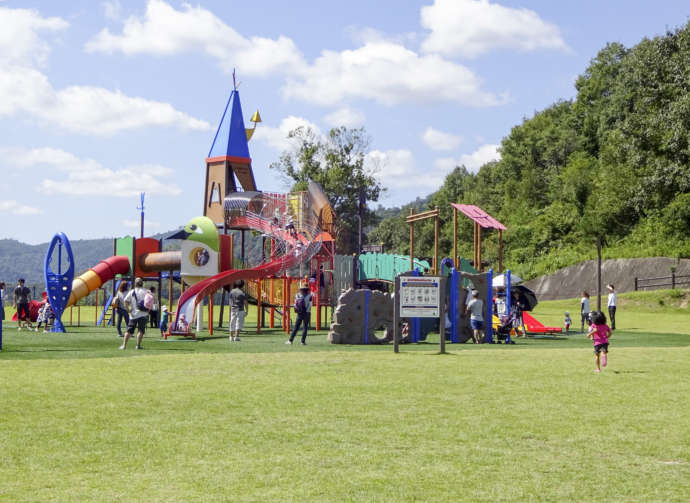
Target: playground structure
column 298, row 227
column 357, row 319
column 482, row 220
column 59, row 284
column 360, row 313
column 411, row 219
column 297, row 248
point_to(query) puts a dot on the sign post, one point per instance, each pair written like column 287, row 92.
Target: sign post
column 419, row 297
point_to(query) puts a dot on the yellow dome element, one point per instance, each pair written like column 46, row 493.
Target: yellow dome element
column 256, row 117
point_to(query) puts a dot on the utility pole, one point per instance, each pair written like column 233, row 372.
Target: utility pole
column 598, row 273
column 142, row 213
column 362, row 206
column 360, row 214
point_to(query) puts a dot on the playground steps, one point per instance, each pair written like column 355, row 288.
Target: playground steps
column 106, row 307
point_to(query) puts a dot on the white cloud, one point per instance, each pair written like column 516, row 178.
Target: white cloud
column 163, row 30
column 112, row 9
column 87, row 177
column 397, row 169
column 470, row 28
column 438, row 140
column 387, row 73
column 84, row 109
column 20, row 42
column 475, row 160
column 361, row 35
column 446, row 164
column 277, row 137
column 347, row 117
column 332, row 79
column 15, row 208
column 26, row 91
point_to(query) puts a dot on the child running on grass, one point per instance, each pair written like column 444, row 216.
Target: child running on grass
column 600, row 332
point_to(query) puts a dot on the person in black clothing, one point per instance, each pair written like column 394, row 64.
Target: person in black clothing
column 153, row 313
column 303, row 311
column 2, row 301
column 22, row 296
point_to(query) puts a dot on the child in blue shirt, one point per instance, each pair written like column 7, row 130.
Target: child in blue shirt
column 164, row 320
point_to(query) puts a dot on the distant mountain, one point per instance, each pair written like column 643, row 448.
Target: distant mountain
column 21, row 260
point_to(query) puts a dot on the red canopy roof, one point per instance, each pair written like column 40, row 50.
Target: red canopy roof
column 480, row 216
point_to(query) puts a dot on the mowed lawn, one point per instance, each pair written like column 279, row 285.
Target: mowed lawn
column 262, row 421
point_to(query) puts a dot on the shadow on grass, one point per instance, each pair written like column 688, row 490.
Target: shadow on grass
column 548, row 337
column 46, row 350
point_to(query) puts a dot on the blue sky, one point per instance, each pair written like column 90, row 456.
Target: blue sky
column 100, row 101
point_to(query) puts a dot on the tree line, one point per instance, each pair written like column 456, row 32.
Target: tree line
column 612, row 162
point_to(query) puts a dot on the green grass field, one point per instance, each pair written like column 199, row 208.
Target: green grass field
column 262, row 421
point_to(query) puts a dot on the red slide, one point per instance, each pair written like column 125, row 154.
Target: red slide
column 535, row 326
column 294, row 256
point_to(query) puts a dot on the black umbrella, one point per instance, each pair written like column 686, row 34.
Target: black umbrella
column 525, row 297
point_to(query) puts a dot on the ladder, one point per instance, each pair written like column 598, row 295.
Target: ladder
column 106, row 307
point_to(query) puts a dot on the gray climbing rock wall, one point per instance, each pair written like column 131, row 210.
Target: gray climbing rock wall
column 350, row 315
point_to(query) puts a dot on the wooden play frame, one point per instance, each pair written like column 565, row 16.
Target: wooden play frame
column 411, row 219
column 480, row 219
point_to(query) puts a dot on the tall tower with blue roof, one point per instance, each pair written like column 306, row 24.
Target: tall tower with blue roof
column 228, row 160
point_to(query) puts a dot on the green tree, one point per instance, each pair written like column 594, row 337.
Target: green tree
column 336, row 162
column 612, row 162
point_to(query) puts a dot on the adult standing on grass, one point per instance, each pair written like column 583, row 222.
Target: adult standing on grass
column 238, row 310
column 153, row 314
column 612, row 305
column 2, row 301
column 584, row 311
column 475, row 308
column 120, row 308
column 303, row 311
column 22, row 296
column 139, row 315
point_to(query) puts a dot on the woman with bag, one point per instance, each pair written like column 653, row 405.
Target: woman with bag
column 120, row 309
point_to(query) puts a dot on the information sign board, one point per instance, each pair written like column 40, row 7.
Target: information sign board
column 420, row 296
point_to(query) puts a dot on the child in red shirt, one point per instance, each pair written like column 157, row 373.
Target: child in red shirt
column 600, row 332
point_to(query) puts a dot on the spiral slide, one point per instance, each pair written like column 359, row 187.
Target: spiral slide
column 293, row 257
column 102, row 272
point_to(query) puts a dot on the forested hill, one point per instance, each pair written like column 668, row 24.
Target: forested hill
column 612, row 162
column 20, row 260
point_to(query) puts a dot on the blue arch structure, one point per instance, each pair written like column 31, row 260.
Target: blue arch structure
column 59, row 284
